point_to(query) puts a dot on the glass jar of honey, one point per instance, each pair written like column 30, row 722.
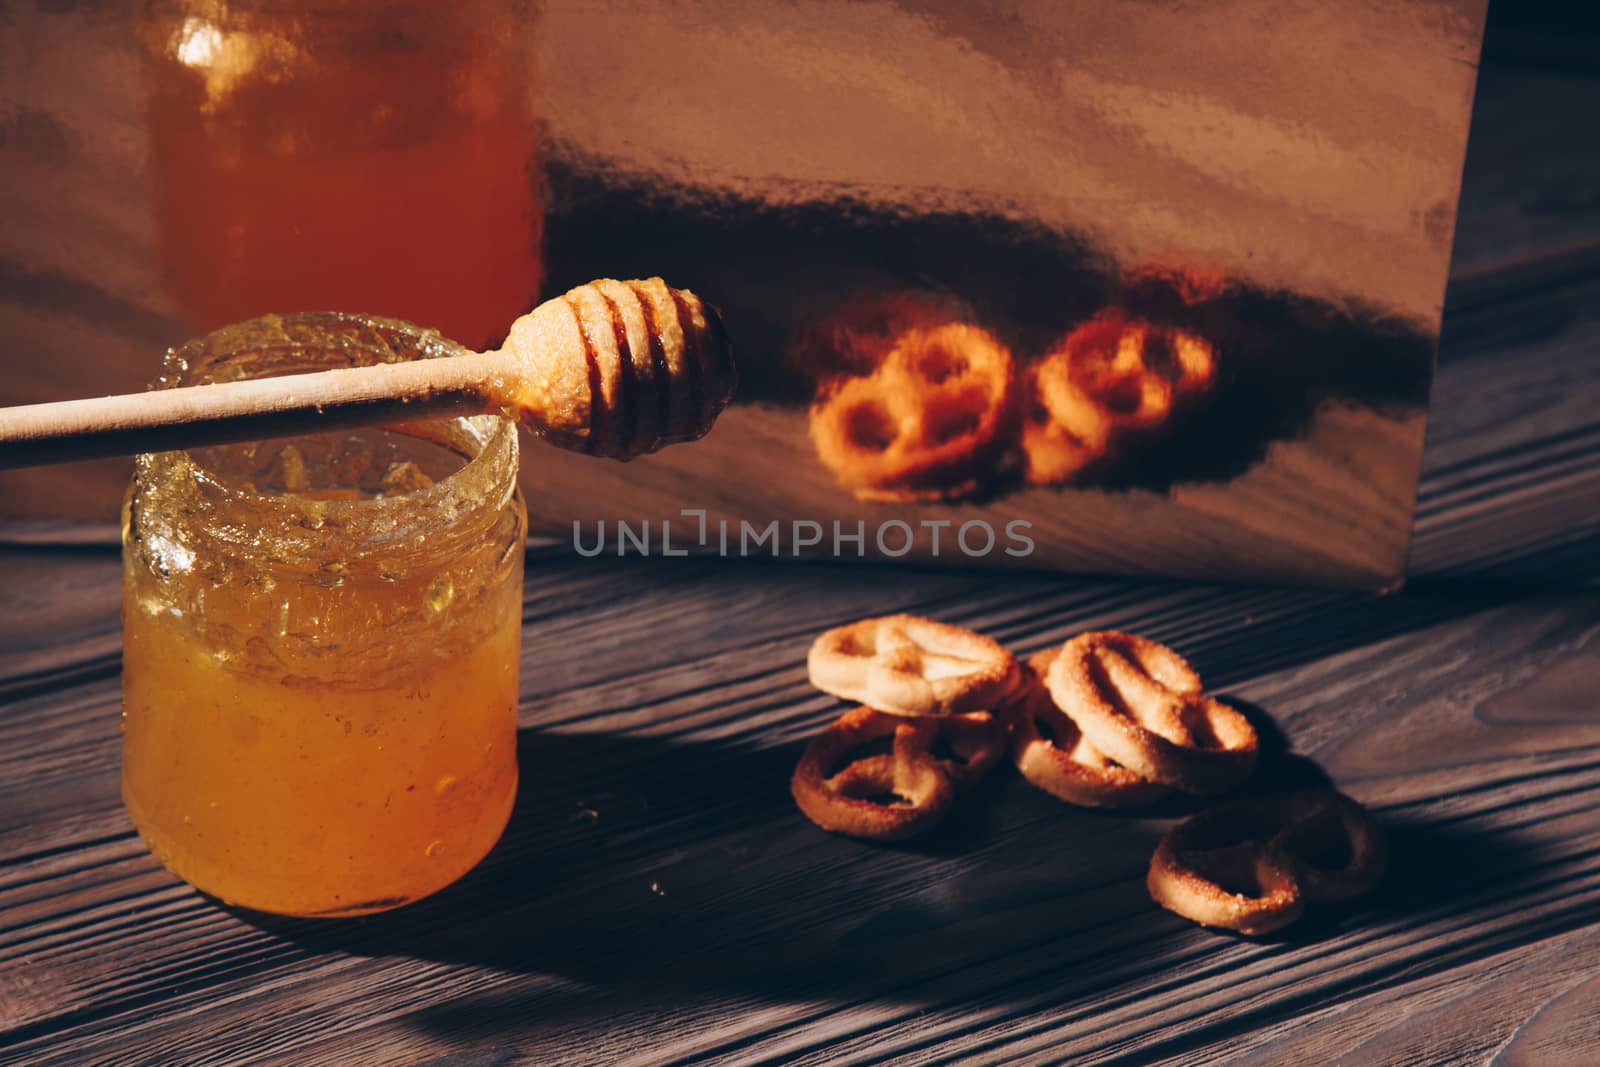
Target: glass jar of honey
column 321, row 640
column 373, row 155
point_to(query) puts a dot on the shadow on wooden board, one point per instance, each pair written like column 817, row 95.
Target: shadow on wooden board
column 670, row 870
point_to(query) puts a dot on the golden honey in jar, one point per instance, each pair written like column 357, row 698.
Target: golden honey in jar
column 321, row 640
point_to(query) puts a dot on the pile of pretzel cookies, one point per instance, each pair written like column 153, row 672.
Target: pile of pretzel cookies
column 1107, row 720
column 941, row 410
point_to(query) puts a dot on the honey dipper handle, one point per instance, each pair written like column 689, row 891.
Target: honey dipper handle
column 249, row 410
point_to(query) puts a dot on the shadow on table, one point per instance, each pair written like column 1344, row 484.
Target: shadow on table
column 651, row 865
column 674, row 872
column 669, row 871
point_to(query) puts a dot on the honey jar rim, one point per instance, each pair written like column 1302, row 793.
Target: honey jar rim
column 231, row 515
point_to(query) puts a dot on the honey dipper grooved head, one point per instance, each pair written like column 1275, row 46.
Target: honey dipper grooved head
column 619, row 368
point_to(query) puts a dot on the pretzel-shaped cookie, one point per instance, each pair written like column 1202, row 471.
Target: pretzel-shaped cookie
column 1252, row 865
column 863, row 797
column 1110, row 377
column 926, row 424
column 1216, row 869
column 1141, row 705
column 1064, row 763
column 906, row 665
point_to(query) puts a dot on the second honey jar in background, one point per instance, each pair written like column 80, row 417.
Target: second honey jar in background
column 312, row 155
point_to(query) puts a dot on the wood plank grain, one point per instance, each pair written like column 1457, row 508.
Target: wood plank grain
column 595, row 670
column 1531, row 1004
column 746, row 952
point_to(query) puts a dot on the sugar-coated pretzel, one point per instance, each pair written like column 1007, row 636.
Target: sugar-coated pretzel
column 1065, row 764
column 927, row 424
column 1213, row 871
column 879, row 797
column 1144, row 707
column 1251, row 865
column 907, row 665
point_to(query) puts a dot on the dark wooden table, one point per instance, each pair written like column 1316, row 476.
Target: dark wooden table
column 658, row 899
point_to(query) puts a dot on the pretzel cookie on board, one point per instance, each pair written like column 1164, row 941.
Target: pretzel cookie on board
column 1144, row 707
column 880, row 797
column 1252, row 865
column 1060, row 760
column 907, row 665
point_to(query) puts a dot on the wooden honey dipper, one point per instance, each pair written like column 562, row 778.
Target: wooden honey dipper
column 610, row 368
